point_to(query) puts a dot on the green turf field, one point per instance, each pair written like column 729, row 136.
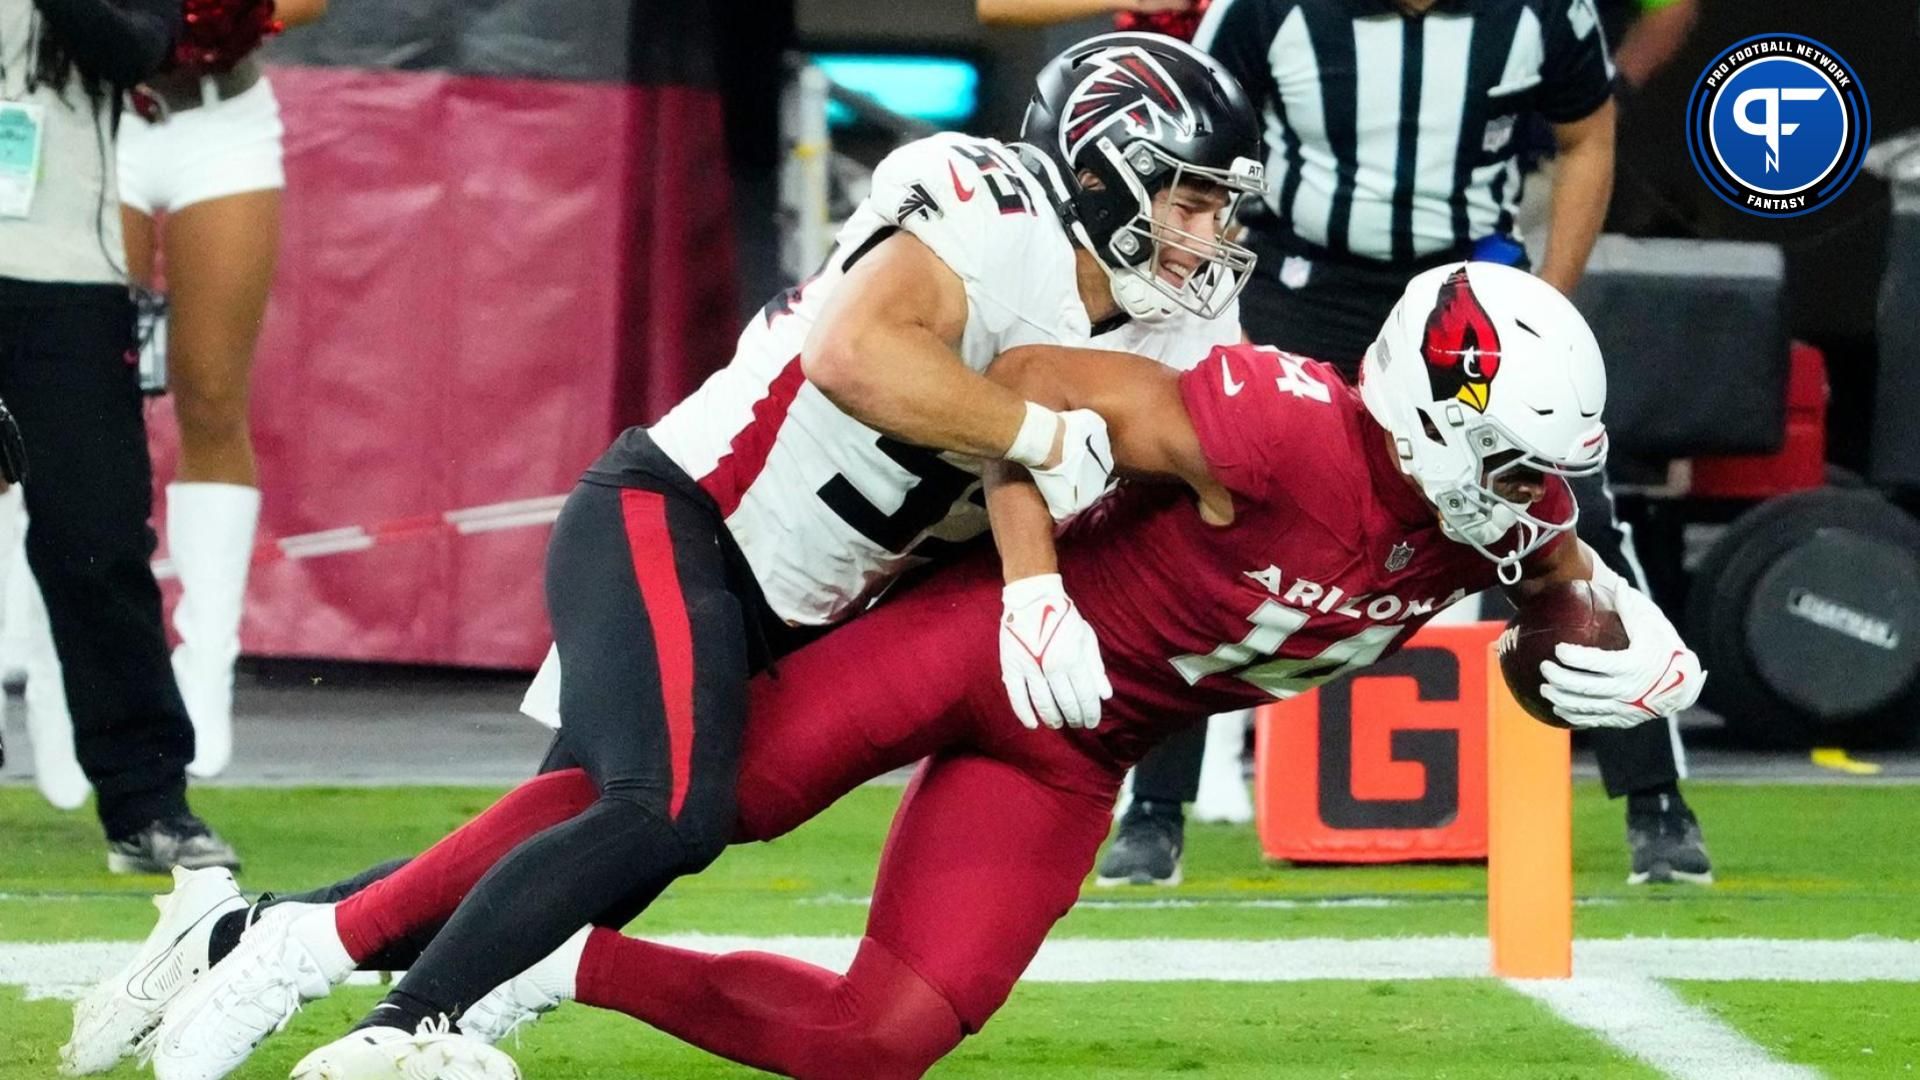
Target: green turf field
column 1800, row 862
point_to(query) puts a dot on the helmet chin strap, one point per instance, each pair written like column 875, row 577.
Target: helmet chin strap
column 1138, row 297
column 1488, row 530
column 1483, row 534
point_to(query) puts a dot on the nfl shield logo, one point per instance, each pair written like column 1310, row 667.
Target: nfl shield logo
column 1399, row 557
column 1294, row 272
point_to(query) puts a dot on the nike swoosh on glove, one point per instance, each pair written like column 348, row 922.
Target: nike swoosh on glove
column 1049, row 657
column 1656, row 675
column 1086, row 465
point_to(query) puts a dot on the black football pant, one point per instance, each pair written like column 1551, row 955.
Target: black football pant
column 1334, row 317
column 654, row 664
column 65, row 374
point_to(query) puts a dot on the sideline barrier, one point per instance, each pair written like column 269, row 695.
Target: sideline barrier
column 1388, row 765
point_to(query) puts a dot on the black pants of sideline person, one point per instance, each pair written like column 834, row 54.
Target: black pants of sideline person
column 65, row 374
column 1334, row 316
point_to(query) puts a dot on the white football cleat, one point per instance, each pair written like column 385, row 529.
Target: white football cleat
column 527, row 996
column 289, row 957
column 434, row 1052
column 119, row 1010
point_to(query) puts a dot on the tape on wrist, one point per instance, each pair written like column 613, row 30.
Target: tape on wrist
column 1034, row 444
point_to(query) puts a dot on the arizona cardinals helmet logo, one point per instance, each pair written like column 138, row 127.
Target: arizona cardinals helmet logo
column 1461, row 346
column 1129, row 86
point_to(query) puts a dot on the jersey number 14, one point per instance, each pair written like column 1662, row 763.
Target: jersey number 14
column 1254, row 658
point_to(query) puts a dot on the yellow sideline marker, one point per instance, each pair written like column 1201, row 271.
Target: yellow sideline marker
column 1837, row 759
column 1529, row 839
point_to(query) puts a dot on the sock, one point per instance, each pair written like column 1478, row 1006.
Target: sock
column 558, row 975
column 226, row 933
column 880, row 1021
column 1170, row 811
column 426, row 891
column 1664, row 799
column 400, row 1010
column 317, row 930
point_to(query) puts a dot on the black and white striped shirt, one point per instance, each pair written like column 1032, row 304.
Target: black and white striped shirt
column 1393, row 136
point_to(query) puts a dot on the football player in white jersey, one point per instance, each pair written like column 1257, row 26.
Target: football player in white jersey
column 841, row 446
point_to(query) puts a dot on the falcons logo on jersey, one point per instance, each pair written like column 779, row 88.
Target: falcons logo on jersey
column 1461, row 347
column 1130, row 87
column 918, row 202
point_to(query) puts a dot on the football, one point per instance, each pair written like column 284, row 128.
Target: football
column 1573, row 612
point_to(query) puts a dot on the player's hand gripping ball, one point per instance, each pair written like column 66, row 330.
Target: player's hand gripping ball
column 1572, row 613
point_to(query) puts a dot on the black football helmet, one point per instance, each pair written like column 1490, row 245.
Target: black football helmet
column 1142, row 112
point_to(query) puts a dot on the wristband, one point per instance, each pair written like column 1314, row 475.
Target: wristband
column 1034, row 444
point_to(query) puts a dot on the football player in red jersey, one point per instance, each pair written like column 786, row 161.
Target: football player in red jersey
column 839, row 447
column 1267, row 568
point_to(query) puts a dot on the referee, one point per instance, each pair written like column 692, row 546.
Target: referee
column 1393, row 130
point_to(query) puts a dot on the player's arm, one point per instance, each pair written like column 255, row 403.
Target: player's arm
column 884, row 351
column 1147, row 421
column 1049, row 657
column 1656, row 675
column 1566, row 559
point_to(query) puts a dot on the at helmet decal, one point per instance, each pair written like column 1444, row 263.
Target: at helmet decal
column 1461, row 346
column 1128, row 85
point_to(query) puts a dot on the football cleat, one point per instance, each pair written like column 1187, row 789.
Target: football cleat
column 527, row 996
column 433, row 1052
column 119, row 1010
column 183, row 841
column 1147, row 849
column 1667, row 847
column 211, row 1028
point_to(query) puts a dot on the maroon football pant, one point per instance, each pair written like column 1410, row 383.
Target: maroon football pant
column 988, row 848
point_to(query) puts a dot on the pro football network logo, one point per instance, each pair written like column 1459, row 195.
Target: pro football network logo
column 1129, row 86
column 1778, row 125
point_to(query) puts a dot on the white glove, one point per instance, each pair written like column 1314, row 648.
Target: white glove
column 1086, row 457
column 1656, row 675
column 1049, row 658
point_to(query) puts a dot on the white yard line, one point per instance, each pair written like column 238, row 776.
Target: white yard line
column 1616, row 992
column 1237, row 903
column 1651, row 1022
column 65, row 968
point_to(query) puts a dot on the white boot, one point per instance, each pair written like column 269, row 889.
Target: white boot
column 56, row 771
column 210, row 529
column 13, row 543
column 1223, row 785
column 26, row 647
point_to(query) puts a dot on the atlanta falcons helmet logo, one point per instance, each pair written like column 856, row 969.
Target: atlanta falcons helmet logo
column 1461, row 346
column 1127, row 86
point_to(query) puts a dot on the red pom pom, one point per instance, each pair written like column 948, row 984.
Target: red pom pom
column 217, row 34
column 1174, row 24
